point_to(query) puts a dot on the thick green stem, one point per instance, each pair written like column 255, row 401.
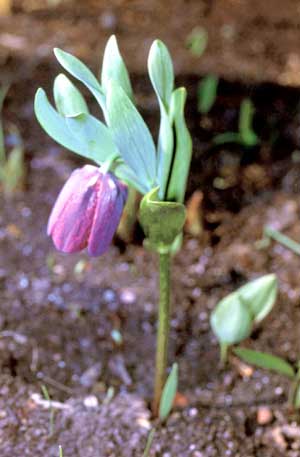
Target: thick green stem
column 163, row 329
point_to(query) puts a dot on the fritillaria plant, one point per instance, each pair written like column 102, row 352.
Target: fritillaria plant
column 88, row 209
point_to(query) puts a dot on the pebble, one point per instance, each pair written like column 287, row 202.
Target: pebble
column 264, row 415
column 127, row 296
column 91, row 401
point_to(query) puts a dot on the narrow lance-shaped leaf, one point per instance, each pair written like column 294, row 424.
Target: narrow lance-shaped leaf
column 160, row 68
column 131, row 135
column 161, row 74
column 113, row 67
column 264, row 360
column 58, row 127
column 168, row 393
column 82, row 73
column 68, row 99
column 183, row 153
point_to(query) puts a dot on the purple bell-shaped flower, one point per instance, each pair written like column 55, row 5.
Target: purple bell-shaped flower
column 87, row 211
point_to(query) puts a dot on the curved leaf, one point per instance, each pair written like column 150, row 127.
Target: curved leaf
column 68, row 99
column 260, row 295
column 113, row 67
column 168, row 393
column 131, row 135
column 264, row 360
column 82, row 73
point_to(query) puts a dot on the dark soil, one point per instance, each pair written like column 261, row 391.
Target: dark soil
column 58, row 312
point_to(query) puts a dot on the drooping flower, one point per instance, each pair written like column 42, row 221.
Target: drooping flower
column 87, row 211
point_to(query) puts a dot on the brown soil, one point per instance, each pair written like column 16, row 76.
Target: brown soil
column 56, row 322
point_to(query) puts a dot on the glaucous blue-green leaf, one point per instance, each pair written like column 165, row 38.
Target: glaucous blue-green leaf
column 131, row 135
column 183, row 153
column 68, row 99
column 164, row 151
column 113, row 67
column 94, row 135
column 264, row 360
column 231, row 320
column 260, row 295
column 126, row 174
column 57, row 127
column 168, row 393
column 81, row 72
column 160, row 68
column 207, row 93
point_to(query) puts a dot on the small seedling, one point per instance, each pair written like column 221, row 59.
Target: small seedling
column 149, row 443
column 207, row 93
column 51, row 418
column 245, row 135
column 89, row 207
column 270, row 233
column 60, row 450
column 235, row 316
column 197, row 40
column 12, row 168
column 276, row 364
column 168, row 393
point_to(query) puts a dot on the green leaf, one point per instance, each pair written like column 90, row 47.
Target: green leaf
column 149, row 443
column 197, row 40
column 58, row 128
column 207, row 93
column 227, row 137
column 183, row 153
column 161, row 74
column 162, row 222
column 297, row 397
column 131, row 135
column 113, row 67
column 231, row 320
column 93, row 135
column 80, row 71
column 264, row 360
column 168, row 393
column 68, row 99
column 260, row 295
column 160, row 68
column 248, row 136
column 126, row 174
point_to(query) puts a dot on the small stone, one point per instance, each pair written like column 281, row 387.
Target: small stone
column 91, row 401
column 127, row 296
column 264, row 415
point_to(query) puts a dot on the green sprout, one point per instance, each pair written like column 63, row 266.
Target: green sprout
column 60, row 450
column 12, row 168
column 245, row 135
column 207, row 93
column 279, row 366
column 123, row 151
column 235, row 316
column 51, row 417
column 196, row 41
column 270, row 233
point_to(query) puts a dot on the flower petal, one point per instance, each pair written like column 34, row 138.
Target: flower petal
column 111, row 199
column 72, row 216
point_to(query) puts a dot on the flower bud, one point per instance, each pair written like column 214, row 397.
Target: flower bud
column 87, row 211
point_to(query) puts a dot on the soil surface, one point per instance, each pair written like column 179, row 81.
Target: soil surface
column 247, row 39
column 59, row 314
